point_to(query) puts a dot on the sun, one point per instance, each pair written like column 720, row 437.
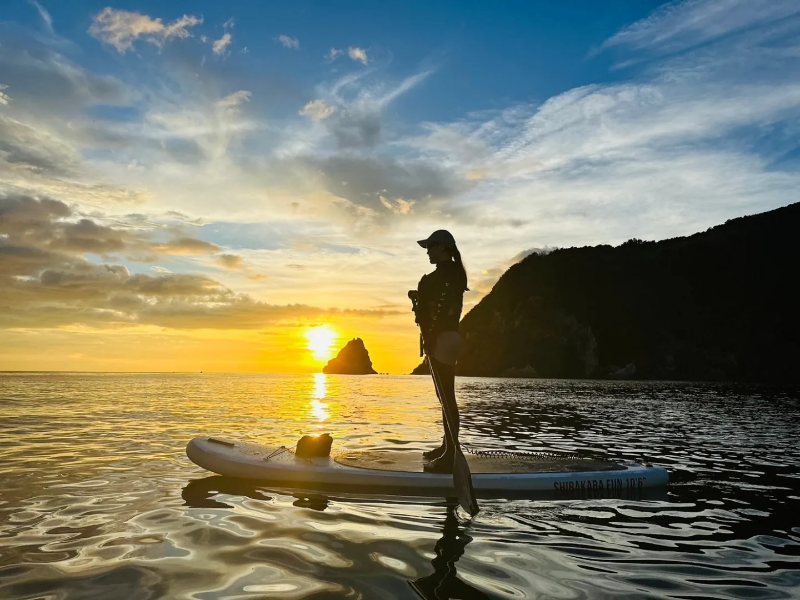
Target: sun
column 320, row 341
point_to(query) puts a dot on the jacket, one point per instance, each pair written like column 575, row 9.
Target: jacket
column 440, row 300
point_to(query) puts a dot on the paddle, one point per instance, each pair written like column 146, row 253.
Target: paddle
column 462, row 478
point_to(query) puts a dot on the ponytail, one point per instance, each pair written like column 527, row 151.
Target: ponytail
column 461, row 270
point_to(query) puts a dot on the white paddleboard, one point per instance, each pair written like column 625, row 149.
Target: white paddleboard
column 402, row 471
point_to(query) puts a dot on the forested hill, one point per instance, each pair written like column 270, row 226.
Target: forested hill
column 715, row 305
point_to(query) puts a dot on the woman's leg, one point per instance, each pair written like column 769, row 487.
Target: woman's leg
column 444, row 379
column 447, row 379
column 438, row 451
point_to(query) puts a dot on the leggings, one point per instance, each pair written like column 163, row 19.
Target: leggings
column 444, row 381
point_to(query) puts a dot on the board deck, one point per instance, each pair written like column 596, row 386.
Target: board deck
column 399, row 460
column 402, row 471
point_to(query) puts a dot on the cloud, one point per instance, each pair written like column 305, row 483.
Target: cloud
column 343, row 165
column 384, row 184
column 695, row 139
column 317, row 110
column 230, row 261
column 26, row 214
column 333, row 54
column 49, row 82
column 4, row 98
column 353, row 110
column 38, row 228
column 121, row 28
column 48, row 282
column 398, row 206
column 27, row 149
column 45, row 16
column 71, row 134
column 41, row 223
column 708, row 131
column 597, row 125
column 86, row 236
column 597, row 149
column 232, row 102
column 289, row 42
column 357, row 126
column 219, row 46
column 681, row 25
column 353, row 52
column 601, row 128
column 358, row 54
column 199, row 131
column 186, row 247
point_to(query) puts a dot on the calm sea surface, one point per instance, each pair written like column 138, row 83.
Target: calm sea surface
column 98, row 499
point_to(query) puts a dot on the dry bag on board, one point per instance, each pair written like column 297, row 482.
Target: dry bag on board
column 314, row 446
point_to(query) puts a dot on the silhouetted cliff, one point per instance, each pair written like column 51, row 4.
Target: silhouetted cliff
column 715, row 305
column 353, row 359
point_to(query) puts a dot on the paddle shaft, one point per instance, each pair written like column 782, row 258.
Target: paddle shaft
column 462, row 478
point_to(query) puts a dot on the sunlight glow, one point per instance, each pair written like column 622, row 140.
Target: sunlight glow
column 320, row 341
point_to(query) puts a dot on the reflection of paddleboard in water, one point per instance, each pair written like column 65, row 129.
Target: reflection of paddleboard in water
column 401, row 471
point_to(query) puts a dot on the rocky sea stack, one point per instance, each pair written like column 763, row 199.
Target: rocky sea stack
column 353, row 359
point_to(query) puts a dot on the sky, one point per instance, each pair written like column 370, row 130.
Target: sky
column 199, row 186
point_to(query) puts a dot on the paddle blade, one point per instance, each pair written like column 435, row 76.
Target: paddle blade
column 462, row 480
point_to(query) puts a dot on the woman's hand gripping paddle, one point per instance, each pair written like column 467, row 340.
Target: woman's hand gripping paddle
column 462, row 477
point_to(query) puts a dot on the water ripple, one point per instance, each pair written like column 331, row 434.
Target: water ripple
column 97, row 499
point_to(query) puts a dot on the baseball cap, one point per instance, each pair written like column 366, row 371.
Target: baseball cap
column 440, row 236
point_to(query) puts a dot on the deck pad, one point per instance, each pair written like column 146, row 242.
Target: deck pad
column 411, row 462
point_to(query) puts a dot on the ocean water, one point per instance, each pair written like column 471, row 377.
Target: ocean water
column 98, row 500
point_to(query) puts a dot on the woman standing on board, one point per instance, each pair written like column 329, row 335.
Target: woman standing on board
column 437, row 304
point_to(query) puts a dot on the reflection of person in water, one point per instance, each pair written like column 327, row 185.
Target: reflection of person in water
column 437, row 304
column 444, row 583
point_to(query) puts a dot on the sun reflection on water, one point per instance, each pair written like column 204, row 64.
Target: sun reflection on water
column 320, row 386
column 319, row 409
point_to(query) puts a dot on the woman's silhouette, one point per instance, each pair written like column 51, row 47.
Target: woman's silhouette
column 438, row 301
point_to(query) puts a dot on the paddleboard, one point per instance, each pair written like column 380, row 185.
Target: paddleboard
column 401, row 471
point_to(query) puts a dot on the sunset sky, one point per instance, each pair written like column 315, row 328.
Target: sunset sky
column 191, row 186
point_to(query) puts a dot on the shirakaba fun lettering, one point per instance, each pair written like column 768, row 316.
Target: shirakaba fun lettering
column 628, row 483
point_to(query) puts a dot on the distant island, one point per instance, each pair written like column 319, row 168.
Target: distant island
column 717, row 305
column 353, row 359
